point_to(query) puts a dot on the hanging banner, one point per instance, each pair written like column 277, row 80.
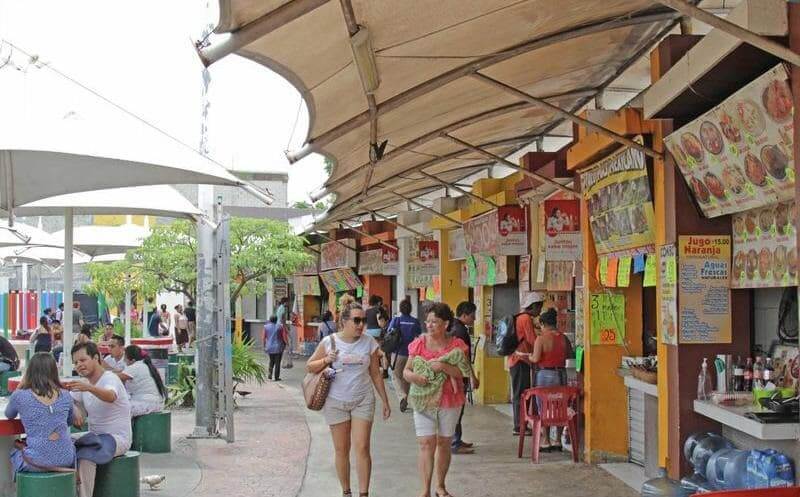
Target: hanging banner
column 765, row 247
column 390, row 258
column 340, row 280
column 456, row 245
column 307, row 285
column 423, row 264
column 335, row 256
column 370, row 262
column 312, row 266
column 502, row 231
column 704, row 289
column 559, row 276
column 524, row 276
column 280, row 288
column 607, row 311
column 621, row 215
column 563, row 224
column 669, row 294
column 738, row 156
column 579, row 317
column 488, row 271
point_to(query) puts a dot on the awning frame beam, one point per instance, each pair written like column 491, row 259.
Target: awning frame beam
column 459, row 189
column 569, row 116
column 365, row 234
column 326, row 237
column 429, row 209
column 396, row 224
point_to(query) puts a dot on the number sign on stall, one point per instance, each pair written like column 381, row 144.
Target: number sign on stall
column 608, row 318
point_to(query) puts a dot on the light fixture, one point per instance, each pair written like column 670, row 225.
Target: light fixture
column 364, row 59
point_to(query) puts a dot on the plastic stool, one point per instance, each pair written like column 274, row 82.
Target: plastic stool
column 119, row 478
column 152, row 433
column 45, row 484
column 4, row 376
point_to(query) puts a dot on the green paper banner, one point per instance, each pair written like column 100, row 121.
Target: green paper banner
column 608, row 318
column 491, row 271
column 472, row 271
column 624, row 272
column 650, row 270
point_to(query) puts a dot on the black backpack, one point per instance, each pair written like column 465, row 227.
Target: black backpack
column 505, row 337
column 390, row 341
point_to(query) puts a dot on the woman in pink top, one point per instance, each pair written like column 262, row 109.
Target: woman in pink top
column 435, row 429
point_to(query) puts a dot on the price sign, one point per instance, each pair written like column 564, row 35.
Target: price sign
column 608, row 318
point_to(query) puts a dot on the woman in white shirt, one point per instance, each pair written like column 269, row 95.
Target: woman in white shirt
column 350, row 406
column 143, row 382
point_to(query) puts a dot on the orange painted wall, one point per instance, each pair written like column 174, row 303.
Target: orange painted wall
column 375, row 284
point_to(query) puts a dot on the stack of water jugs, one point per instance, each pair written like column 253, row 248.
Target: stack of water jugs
column 718, row 465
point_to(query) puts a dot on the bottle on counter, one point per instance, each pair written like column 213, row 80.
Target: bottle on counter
column 758, row 373
column 704, row 387
column 738, row 375
column 748, row 375
column 769, row 372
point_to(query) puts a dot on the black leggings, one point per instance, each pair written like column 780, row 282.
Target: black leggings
column 275, row 365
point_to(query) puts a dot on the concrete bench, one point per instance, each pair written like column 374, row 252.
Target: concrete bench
column 4, row 377
column 152, row 433
column 46, row 484
column 119, row 478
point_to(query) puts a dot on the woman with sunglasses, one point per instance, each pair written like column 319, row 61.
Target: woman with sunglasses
column 350, row 406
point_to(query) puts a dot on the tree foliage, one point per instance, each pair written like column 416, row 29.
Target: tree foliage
column 167, row 260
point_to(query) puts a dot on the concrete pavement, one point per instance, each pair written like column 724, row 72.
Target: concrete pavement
column 284, row 450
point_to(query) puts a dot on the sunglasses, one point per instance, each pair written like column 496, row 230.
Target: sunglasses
column 358, row 321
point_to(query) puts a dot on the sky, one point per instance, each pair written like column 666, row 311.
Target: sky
column 141, row 58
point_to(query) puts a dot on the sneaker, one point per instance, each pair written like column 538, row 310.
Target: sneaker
column 468, row 445
column 462, row 449
column 404, row 405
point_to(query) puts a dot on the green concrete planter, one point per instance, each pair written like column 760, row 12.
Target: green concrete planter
column 119, row 478
column 46, row 484
column 152, row 433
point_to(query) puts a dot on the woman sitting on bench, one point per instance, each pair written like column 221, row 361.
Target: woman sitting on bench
column 143, row 382
column 46, row 412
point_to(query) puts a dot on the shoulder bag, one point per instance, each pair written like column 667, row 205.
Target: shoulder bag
column 317, row 385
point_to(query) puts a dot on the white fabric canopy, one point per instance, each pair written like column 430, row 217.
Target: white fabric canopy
column 104, row 240
column 155, row 200
column 26, row 235
column 52, row 256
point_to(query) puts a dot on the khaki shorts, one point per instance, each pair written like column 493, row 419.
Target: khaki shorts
column 336, row 411
column 439, row 423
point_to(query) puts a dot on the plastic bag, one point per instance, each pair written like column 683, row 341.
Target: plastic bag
column 691, row 443
column 705, row 448
column 722, row 463
column 663, row 487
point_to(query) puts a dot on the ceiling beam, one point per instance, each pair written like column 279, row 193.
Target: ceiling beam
column 365, row 234
column 426, row 208
column 571, row 117
column 396, row 224
column 326, row 237
column 434, row 134
column 734, row 30
column 318, row 143
column 508, row 163
column 458, row 189
column 258, row 28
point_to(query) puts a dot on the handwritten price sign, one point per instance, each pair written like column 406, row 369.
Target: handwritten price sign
column 608, row 318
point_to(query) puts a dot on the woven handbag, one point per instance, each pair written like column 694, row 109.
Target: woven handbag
column 317, row 385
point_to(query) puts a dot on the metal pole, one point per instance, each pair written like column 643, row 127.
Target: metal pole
column 735, row 30
column 395, row 223
column 66, row 355
column 511, row 165
column 425, row 207
column 128, row 315
column 205, row 425
column 458, row 189
column 568, row 116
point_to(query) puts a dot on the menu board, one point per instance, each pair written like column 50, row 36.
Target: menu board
column 390, row 258
column 563, row 225
column 502, row 231
column 559, row 275
column 738, row 156
column 370, row 262
column 340, row 280
column 621, row 215
column 423, row 263
column 669, row 294
column 607, row 312
column 335, row 255
column 703, row 289
column 311, row 267
column 306, row 285
column 456, row 245
column 765, row 247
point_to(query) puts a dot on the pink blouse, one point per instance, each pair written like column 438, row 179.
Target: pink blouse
column 451, row 398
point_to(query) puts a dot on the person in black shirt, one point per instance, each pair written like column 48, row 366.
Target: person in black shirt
column 373, row 327
column 465, row 317
column 9, row 360
column 191, row 319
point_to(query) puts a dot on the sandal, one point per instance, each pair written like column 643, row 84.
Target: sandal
column 445, row 494
column 347, row 493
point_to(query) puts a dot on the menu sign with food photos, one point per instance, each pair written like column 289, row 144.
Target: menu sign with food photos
column 704, row 270
column 335, row 255
column 765, row 247
column 738, row 156
column 621, row 216
column 502, row 231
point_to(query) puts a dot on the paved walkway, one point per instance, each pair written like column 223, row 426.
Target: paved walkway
column 285, row 450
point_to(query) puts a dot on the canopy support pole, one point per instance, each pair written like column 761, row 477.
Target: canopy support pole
column 734, row 30
column 66, row 355
column 459, row 189
column 254, row 30
column 570, row 117
column 426, row 208
column 362, row 233
column 511, row 165
column 128, row 313
column 395, row 223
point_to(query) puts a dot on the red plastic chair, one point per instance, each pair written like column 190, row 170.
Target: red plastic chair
column 555, row 402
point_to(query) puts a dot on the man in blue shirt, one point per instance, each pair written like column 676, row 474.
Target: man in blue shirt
column 410, row 328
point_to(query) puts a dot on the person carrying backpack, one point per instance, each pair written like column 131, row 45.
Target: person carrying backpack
column 519, row 362
column 402, row 330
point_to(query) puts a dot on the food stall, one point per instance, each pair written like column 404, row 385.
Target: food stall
column 308, row 296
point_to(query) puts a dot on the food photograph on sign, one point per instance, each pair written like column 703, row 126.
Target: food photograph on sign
column 765, row 247
column 562, row 226
column 621, row 215
column 738, row 156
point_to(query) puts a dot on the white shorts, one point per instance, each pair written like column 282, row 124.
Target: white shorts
column 442, row 422
column 336, row 411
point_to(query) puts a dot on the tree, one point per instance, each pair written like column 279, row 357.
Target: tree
column 302, row 204
column 167, row 260
column 328, row 165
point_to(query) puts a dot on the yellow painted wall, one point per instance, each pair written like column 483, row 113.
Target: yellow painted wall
column 450, row 274
column 118, row 220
